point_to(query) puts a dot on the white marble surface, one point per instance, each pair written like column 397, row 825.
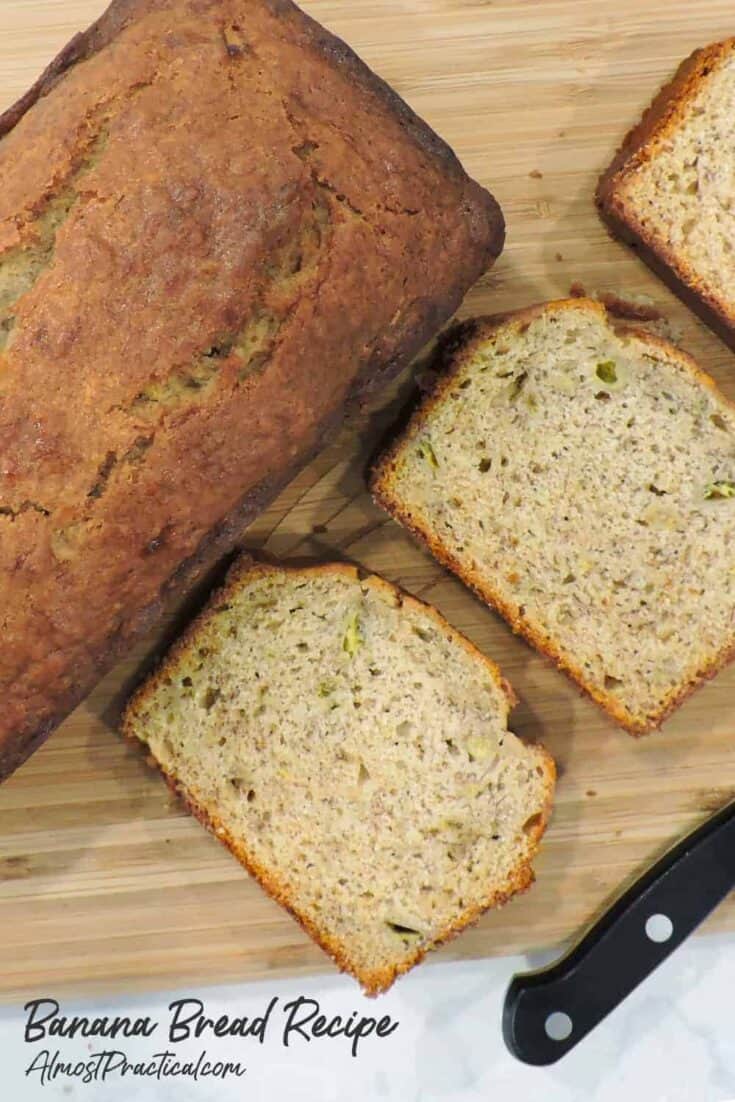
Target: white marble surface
column 672, row 1041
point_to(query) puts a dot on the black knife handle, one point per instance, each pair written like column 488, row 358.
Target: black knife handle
column 640, row 930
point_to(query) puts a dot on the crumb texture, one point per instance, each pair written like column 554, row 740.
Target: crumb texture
column 355, row 751
column 582, row 477
column 189, row 219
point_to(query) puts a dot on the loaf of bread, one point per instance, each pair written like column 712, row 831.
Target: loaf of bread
column 580, row 477
column 217, row 229
column 670, row 191
column 352, row 750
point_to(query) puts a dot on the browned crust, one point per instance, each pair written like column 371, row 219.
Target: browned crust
column 489, row 236
column 374, row 981
column 661, row 119
column 488, row 220
column 618, row 307
column 452, row 355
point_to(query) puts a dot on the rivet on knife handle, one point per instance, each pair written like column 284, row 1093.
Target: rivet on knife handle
column 548, row 1012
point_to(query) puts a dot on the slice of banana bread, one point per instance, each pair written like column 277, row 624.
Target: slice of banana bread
column 671, row 192
column 352, row 750
column 580, row 477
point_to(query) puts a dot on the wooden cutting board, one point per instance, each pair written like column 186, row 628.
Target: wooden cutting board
column 104, row 881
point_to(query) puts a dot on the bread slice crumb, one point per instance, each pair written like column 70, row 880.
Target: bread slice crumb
column 579, row 474
column 352, row 750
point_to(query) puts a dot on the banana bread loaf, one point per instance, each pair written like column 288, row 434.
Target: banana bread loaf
column 217, row 229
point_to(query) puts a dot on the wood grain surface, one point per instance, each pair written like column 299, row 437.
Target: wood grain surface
column 104, row 882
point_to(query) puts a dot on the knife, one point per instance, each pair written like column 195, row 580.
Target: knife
column 548, row 1012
